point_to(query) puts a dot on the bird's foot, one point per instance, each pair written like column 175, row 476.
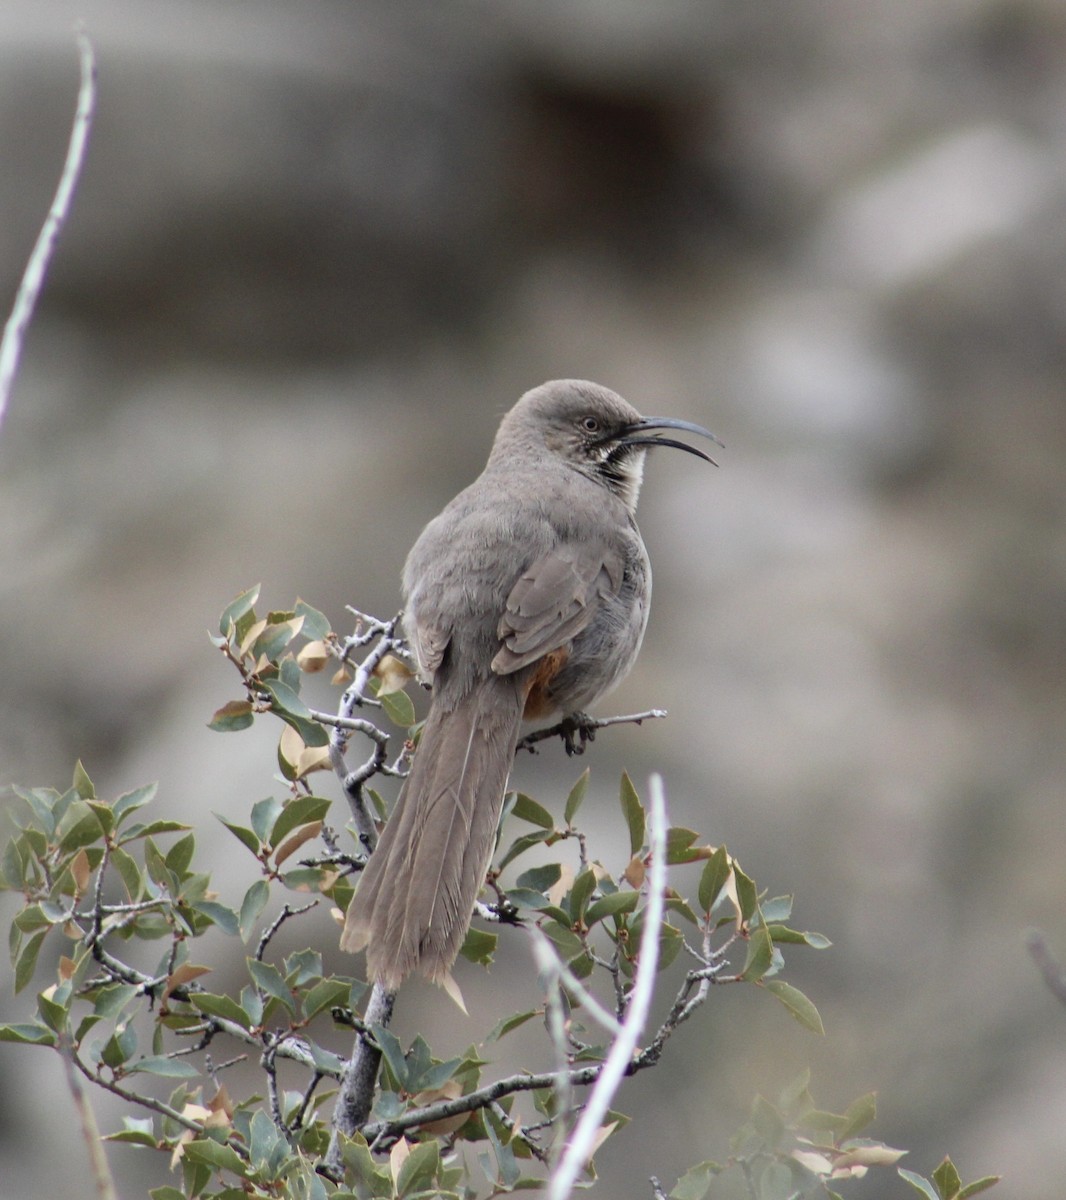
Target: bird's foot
column 579, row 726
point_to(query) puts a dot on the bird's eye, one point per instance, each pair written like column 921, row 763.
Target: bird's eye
column 590, row 424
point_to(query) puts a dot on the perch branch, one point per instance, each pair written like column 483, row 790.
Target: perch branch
column 37, row 266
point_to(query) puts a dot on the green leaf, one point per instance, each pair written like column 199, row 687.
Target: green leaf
column 315, row 627
column 232, row 717
column 214, row 1154
column 398, row 708
column 129, row 872
column 782, row 933
column 45, row 806
column 679, row 846
column 392, row 1052
column 270, row 981
column 611, row 906
column 696, row 1181
column 221, row 1006
column 301, row 811
column 219, row 914
column 135, row 1137
column 540, row 879
column 860, row 1113
column 166, row 1193
column 747, row 896
column 246, row 836
column 919, row 1183
column 633, row 811
column 327, row 993
column 27, row 959
column 151, row 829
column 527, row 809
column 28, row 1034
column 479, row 946
column 577, row 796
column 419, row 1169
column 760, row 955
column 82, row 832
column 280, row 629
column 83, row 785
column 292, row 710
column 179, row 856
column 110, row 1000
column 264, row 814
column 255, row 899
column 129, row 802
column 170, row 1068
column 796, row 1003
column 236, row 609
column 978, row 1185
column 947, row 1180
column 577, row 901
column 713, row 878
column 522, row 844
column 120, row 1047
column 507, row 1024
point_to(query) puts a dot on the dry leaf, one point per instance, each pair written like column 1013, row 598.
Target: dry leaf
column 635, row 872
column 186, row 973
column 79, row 868
column 394, row 674
column 452, row 1090
column 304, row 834
column 313, row 657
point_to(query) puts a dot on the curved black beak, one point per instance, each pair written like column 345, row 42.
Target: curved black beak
column 640, row 434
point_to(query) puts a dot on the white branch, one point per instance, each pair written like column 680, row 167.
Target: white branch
column 579, row 1149
column 37, row 266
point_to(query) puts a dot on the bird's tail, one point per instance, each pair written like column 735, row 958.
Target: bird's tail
column 413, row 904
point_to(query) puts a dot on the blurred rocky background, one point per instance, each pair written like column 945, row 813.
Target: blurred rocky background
column 320, row 247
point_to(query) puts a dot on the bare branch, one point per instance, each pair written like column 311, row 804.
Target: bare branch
column 1050, row 967
column 105, row 1183
column 620, row 1059
column 36, row 268
column 566, row 728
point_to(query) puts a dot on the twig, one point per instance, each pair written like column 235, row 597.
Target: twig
column 356, row 1095
column 1050, row 968
column 345, row 723
column 105, row 1183
column 277, row 923
column 620, row 1059
column 36, row 268
column 564, row 728
column 550, row 964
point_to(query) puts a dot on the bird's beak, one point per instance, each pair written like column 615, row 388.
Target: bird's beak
column 640, row 433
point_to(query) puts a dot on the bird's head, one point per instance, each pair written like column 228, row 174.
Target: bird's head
column 595, row 431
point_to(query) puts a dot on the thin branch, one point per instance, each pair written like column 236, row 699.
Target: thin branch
column 277, row 923
column 105, row 1183
column 379, row 1131
column 565, row 728
column 549, row 963
column 37, row 267
column 620, row 1059
column 1050, row 968
column 149, row 1102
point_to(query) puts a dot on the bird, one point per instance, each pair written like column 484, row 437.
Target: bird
column 526, row 596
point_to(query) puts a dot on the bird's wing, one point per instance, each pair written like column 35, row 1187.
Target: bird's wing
column 429, row 643
column 553, row 600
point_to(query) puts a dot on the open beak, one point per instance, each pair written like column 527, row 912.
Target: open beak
column 640, row 433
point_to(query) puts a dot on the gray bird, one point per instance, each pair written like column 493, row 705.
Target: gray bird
column 527, row 596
